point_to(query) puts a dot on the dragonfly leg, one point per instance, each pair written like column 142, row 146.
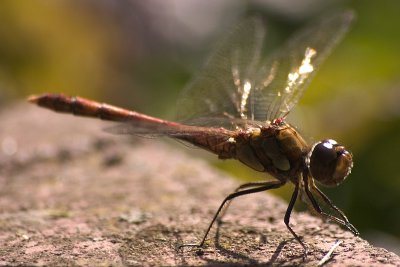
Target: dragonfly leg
column 258, row 188
column 239, row 188
column 342, row 220
column 287, row 218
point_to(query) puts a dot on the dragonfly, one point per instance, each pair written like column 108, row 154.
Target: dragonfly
column 236, row 108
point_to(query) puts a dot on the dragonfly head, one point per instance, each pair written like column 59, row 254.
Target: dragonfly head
column 329, row 162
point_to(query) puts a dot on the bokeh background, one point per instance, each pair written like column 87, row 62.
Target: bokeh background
column 140, row 54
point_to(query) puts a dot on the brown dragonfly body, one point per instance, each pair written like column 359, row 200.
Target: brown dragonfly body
column 273, row 147
column 236, row 109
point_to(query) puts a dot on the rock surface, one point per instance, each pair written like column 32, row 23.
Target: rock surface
column 71, row 194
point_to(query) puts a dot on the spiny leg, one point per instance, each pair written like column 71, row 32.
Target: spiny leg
column 262, row 187
column 287, row 217
column 343, row 221
column 242, row 186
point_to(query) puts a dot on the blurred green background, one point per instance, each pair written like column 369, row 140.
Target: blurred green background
column 140, row 54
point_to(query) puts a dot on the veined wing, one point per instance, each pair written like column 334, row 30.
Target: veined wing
column 218, row 90
column 235, row 84
column 283, row 77
column 148, row 128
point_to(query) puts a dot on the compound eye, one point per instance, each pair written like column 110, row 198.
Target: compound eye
column 329, row 162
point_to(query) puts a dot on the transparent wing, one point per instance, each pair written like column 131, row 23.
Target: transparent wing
column 283, row 77
column 235, row 84
column 145, row 128
column 218, row 91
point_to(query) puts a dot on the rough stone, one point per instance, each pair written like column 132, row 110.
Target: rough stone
column 71, row 194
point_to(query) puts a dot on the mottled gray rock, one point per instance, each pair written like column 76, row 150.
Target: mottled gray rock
column 72, row 194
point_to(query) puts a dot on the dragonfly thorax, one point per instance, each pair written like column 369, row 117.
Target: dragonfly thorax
column 276, row 149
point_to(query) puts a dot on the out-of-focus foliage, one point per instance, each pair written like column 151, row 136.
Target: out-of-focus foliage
column 139, row 54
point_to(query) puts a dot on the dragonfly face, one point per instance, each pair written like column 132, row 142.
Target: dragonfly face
column 329, row 162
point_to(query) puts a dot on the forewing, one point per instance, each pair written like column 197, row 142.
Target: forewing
column 235, row 85
column 219, row 90
column 283, row 77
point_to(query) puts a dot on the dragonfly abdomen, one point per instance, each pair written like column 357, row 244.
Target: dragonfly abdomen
column 88, row 108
